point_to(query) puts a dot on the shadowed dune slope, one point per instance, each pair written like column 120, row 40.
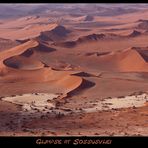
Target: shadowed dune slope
column 89, row 38
column 135, row 33
column 17, row 50
column 143, row 52
column 56, row 34
column 83, row 39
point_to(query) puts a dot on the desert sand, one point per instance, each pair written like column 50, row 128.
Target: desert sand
column 74, row 73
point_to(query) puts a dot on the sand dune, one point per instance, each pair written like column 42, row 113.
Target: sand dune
column 57, row 79
column 132, row 62
column 83, row 39
column 58, row 33
column 127, row 60
column 20, row 62
column 13, row 52
column 34, row 70
column 25, row 59
column 98, row 37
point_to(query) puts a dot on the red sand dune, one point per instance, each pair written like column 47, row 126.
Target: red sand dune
column 91, row 38
column 126, row 61
column 28, row 60
column 42, row 74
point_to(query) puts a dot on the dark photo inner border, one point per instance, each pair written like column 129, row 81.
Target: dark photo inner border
column 72, row 140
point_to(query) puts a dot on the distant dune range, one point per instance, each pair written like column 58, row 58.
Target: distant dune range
column 83, row 39
column 98, row 37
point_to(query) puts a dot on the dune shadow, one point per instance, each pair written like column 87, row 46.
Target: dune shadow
column 86, row 84
column 83, row 74
column 96, row 53
column 144, row 54
column 68, row 44
column 27, row 53
column 10, row 63
column 43, row 48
